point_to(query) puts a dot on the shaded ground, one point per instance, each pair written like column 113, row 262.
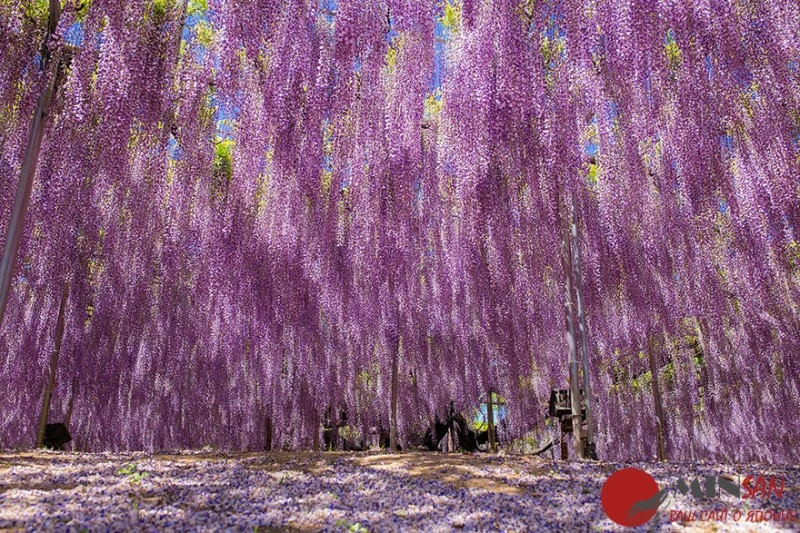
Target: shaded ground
column 209, row 491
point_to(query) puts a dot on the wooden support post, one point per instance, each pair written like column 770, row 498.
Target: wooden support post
column 451, row 435
column 569, row 323
column 71, row 405
column 334, row 431
column 364, row 430
column 660, row 424
column 490, row 423
column 28, row 171
column 316, row 431
column 51, row 376
column 393, row 426
column 268, row 434
column 379, row 436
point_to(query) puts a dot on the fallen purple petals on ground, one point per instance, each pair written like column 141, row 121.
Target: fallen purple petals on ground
column 212, row 491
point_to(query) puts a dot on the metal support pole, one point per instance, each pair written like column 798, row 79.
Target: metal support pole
column 28, row 171
column 566, row 264
column 576, row 253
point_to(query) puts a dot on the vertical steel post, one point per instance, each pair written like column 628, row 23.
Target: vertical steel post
column 587, row 395
column 569, row 322
column 28, row 171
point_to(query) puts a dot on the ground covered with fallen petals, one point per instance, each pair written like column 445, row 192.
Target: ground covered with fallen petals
column 211, row 491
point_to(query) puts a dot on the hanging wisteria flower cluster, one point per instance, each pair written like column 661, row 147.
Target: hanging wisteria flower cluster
column 263, row 208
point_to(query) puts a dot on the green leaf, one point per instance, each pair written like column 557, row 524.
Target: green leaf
column 197, row 7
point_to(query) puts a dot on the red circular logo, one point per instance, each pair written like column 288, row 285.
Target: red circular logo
column 625, row 495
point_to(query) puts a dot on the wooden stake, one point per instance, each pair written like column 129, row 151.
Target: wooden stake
column 51, row 377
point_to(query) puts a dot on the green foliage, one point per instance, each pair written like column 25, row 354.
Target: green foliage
column 325, row 181
column 620, row 374
column 592, row 177
column 132, row 472
column 197, row 7
column 668, row 371
column 364, row 379
column 433, row 105
column 222, row 171
column 641, row 382
column 699, row 363
column 525, row 10
column 391, row 55
column 204, row 33
column 36, row 10
column 349, row 433
column 551, row 50
column 451, row 16
column 673, row 52
column 83, row 10
column 354, row 528
column 159, row 9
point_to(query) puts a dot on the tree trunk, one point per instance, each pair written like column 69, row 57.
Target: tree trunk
column 28, row 171
column 569, row 323
column 51, row 377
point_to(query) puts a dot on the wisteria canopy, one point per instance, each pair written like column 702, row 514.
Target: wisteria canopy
column 258, row 209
